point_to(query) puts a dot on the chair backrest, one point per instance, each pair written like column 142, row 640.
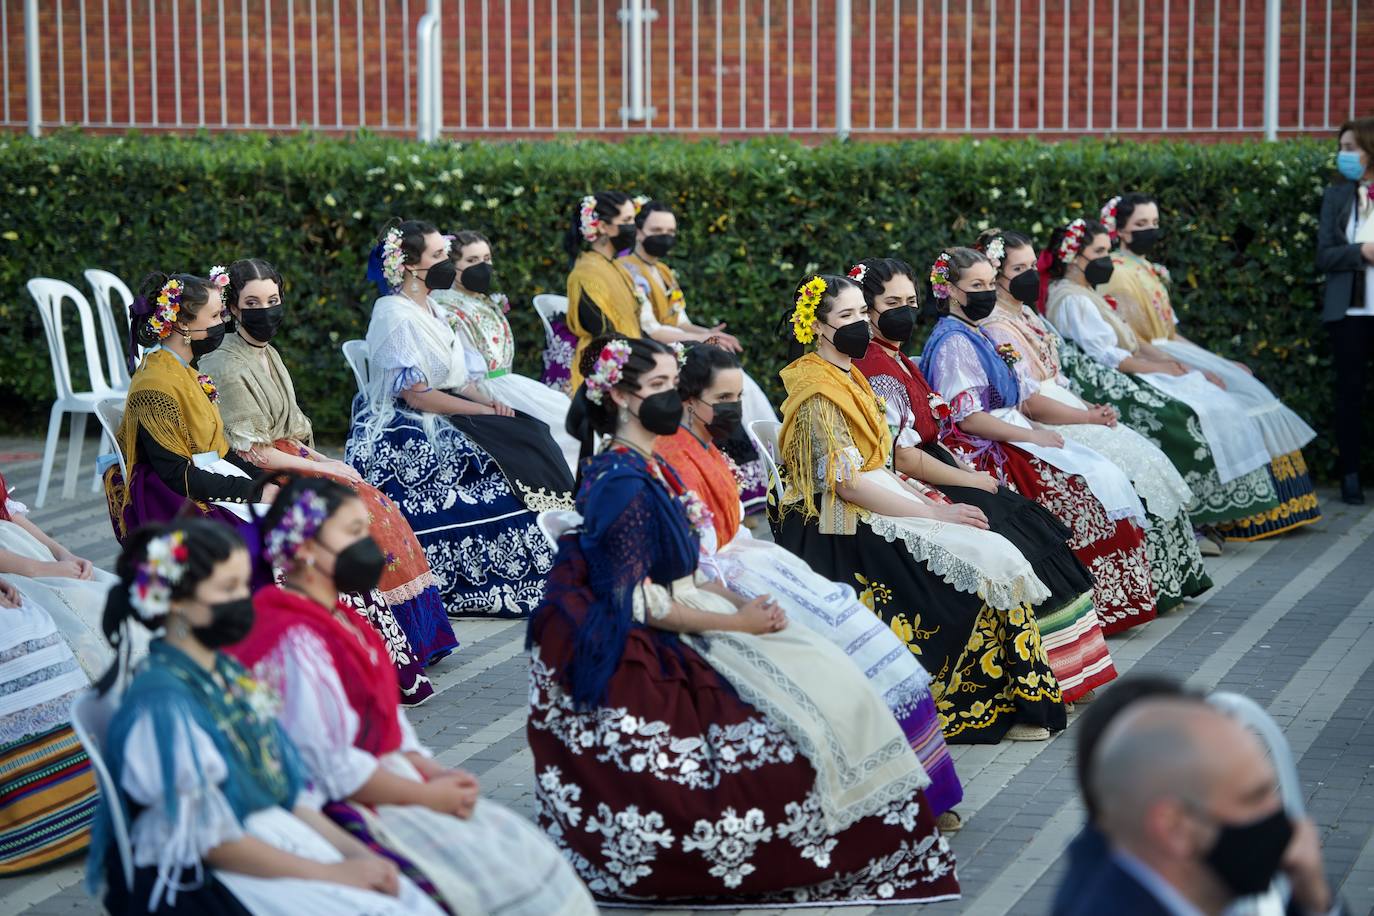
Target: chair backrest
column 91, row 715
column 49, row 295
column 106, row 286
column 554, row 523
column 765, row 436
column 550, row 306
column 355, row 352
column 110, row 412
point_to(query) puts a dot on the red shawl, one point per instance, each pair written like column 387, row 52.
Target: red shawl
column 882, row 359
column 358, row 654
column 706, row 472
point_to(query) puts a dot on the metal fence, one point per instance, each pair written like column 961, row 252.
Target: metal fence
column 463, row 68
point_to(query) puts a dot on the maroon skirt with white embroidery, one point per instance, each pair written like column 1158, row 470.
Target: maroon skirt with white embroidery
column 676, row 791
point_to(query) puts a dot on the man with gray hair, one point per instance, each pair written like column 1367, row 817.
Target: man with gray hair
column 1189, row 807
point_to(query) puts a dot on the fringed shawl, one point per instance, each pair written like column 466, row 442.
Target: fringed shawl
column 1000, row 376
column 257, row 407
column 811, row 376
column 705, row 471
column 1141, row 297
column 659, row 283
column 1061, row 290
column 607, row 283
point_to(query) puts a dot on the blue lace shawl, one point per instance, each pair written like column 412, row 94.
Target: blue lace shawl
column 633, row 528
column 264, row 767
column 1000, row 375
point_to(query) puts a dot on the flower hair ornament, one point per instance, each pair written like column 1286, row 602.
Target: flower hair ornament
column 680, row 351
column 804, row 310
column 607, row 371
column 939, row 276
column 1108, row 216
column 639, row 200
column 150, row 594
column 858, row 272
column 996, row 250
column 1072, row 243
column 393, row 259
column 587, row 218
column 166, row 308
column 298, row 525
column 219, row 276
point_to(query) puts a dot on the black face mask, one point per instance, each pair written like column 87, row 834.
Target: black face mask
column 230, row 622
column 441, row 275
column 979, row 305
column 624, row 237
column 661, row 414
column 358, row 567
column 897, row 324
column 477, row 278
column 1025, row 287
column 852, row 339
column 1246, row 857
column 1099, row 271
column 262, row 324
column 726, row 417
column 658, row 246
column 214, row 336
column 1142, row 240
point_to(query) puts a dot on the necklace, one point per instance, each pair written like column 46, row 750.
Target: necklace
column 648, row 456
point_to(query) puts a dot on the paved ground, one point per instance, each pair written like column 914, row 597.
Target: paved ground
column 1289, row 623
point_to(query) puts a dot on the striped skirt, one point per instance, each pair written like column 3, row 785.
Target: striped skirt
column 47, row 798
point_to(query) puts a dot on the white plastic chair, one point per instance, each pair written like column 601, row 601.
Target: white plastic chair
column 355, row 352
column 106, row 286
column 765, row 436
column 554, row 523
column 110, row 412
column 550, row 306
column 49, row 295
column 91, row 715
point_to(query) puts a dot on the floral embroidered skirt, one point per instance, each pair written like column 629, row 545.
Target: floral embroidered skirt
column 675, row 790
column 1297, row 503
column 558, row 357
column 481, row 542
column 958, row 638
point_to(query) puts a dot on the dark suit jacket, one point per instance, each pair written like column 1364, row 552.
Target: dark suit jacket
column 1336, row 257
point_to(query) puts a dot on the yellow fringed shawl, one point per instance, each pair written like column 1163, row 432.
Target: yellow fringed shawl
column 166, row 401
column 862, row 413
column 1142, row 300
column 665, row 295
column 610, row 286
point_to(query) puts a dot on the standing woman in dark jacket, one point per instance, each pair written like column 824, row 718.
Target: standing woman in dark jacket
column 1348, row 308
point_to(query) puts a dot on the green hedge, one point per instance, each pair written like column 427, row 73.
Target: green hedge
column 753, row 217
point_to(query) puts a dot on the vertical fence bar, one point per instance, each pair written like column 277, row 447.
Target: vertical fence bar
column 529, row 49
column 767, row 62
column 672, row 65
column 968, row 64
column 631, row 15
column 1064, row 83
column 843, row 49
column 129, row 59
column 743, row 68
column 5, row 56
column 920, row 65
column 1040, row 66
column 720, row 65
column 1164, row 105
column 872, row 64
column 152, row 64
column 1216, row 63
column 1016, row 66
column 1116, row 58
column 992, row 64
column 463, row 64
column 85, row 69
column 61, row 70
column 486, row 70
column 314, row 64
column 1092, row 70
column 223, row 72
column 648, row 81
column 1140, row 69
column 815, row 42
column 33, row 68
column 405, row 61
column 338, row 68
column 381, row 33
column 896, row 62
column 1302, row 64
column 601, row 65
column 291, row 58
column 1240, row 74
column 1354, row 31
column 553, row 56
column 1272, row 24
column 1326, row 82
column 624, row 62
column 243, row 56
column 200, row 65
column 790, row 77
column 1192, row 35
column 271, row 83
column 944, row 64
column 362, row 70
column 577, row 64
column 176, row 58
column 506, row 90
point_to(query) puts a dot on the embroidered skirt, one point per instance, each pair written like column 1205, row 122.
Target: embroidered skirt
column 1297, row 503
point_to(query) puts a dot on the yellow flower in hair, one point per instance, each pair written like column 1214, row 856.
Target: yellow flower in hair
column 804, row 314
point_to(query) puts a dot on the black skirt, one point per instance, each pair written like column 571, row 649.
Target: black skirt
column 955, row 636
column 1042, row 539
column 209, row 899
column 529, row 458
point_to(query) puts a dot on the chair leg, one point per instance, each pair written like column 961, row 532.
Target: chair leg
column 106, row 447
column 49, row 454
column 74, row 449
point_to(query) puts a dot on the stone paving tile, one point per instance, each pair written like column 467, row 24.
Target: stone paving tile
column 1284, row 626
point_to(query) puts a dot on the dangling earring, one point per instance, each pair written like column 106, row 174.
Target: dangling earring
column 186, row 336
column 178, row 627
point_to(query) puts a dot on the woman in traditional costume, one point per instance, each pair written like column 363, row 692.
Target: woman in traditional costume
column 47, row 791
column 172, row 436
column 667, row 322
column 478, row 316
column 959, row 596
column 209, row 785
column 602, row 296
column 711, row 385
column 468, row 472
column 1175, row 560
column 358, row 748
column 691, row 747
column 1141, row 292
column 263, row 425
column 1206, row 434
column 1069, row 626
column 1084, row 490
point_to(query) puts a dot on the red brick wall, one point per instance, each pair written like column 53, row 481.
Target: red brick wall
column 902, row 40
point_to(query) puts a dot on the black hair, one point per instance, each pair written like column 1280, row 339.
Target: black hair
column 608, row 204
column 834, row 285
column 195, row 294
column 245, row 271
column 1057, row 266
column 413, row 232
column 1010, row 239
column 586, row 419
column 333, row 493
column 960, row 260
column 208, row 543
column 878, row 272
column 462, row 239
column 1127, row 205
column 649, row 209
column 1109, row 705
column 700, row 366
